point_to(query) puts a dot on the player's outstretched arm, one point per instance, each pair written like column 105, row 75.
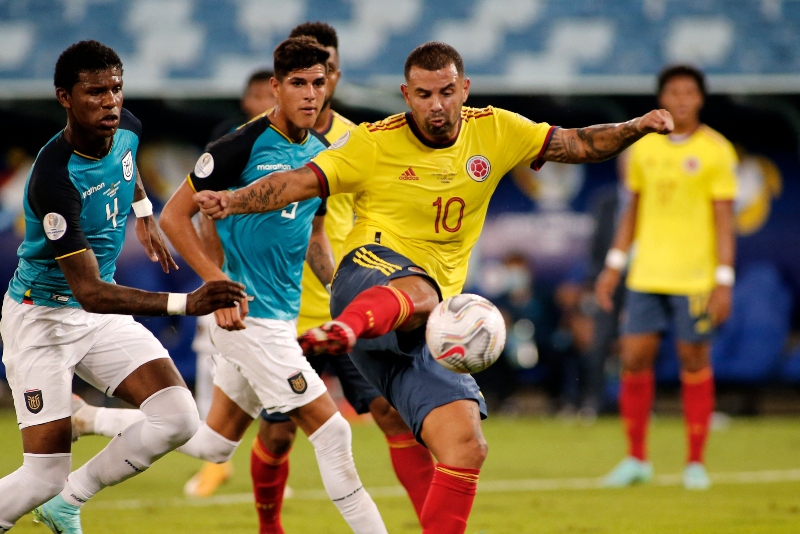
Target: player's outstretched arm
column 604, row 141
column 148, row 233
column 269, row 193
column 319, row 254
column 97, row 296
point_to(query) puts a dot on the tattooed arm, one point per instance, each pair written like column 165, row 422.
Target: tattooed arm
column 604, row 141
column 270, row 193
column 319, row 255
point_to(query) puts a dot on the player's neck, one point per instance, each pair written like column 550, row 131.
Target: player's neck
column 685, row 128
column 287, row 127
column 86, row 143
column 324, row 121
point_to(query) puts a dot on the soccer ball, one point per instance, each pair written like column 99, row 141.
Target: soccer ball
column 466, row 333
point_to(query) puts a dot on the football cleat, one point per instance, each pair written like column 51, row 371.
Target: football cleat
column 695, row 477
column 206, row 481
column 333, row 338
column 59, row 516
column 83, row 415
column 628, row 472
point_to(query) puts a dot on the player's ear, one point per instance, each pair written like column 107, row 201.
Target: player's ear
column 64, row 97
column 466, row 88
column 404, row 90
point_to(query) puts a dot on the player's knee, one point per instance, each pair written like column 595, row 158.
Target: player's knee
column 334, row 433
column 174, row 412
column 475, row 451
column 277, row 438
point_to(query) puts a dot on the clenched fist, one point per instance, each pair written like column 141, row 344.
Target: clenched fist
column 657, row 121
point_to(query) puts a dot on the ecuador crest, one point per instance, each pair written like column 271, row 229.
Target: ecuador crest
column 33, row 400
column 298, row 383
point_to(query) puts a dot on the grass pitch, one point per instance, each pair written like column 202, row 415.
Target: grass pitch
column 540, row 477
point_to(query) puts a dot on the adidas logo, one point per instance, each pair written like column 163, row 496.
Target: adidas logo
column 409, row 175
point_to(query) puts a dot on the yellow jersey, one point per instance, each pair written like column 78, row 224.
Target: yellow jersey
column 675, row 247
column 314, row 299
column 424, row 200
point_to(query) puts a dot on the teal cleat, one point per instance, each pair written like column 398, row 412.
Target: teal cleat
column 59, row 516
column 628, row 472
column 695, row 477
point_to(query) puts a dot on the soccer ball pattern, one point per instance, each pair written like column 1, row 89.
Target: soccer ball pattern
column 466, row 333
column 478, row 168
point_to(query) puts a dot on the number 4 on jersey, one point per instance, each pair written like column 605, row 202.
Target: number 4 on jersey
column 112, row 215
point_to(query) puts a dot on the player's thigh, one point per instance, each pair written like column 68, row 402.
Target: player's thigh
column 268, row 356
column 453, row 434
column 40, row 353
column 127, row 357
column 644, row 320
column 226, row 417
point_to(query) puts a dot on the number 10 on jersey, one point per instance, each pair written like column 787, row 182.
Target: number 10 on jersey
column 443, row 214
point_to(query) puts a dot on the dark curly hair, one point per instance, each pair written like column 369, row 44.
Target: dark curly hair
column 83, row 56
column 674, row 71
column 298, row 53
column 324, row 33
column 434, row 56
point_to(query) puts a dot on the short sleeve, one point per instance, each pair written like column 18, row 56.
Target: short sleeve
column 525, row 140
column 347, row 164
column 224, row 160
column 723, row 174
column 56, row 203
column 634, row 174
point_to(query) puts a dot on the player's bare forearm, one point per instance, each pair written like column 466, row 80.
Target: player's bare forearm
column 603, row 141
column 275, row 191
column 138, row 190
column 212, row 246
column 319, row 254
column 627, row 225
column 98, row 296
column 725, row 232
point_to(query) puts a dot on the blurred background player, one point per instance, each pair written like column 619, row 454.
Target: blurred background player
column 64, row 314
column 269, row 461
column 381, row 298
column 681, row 275
column 257, row 99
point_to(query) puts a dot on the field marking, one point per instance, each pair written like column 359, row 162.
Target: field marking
column 495, row 486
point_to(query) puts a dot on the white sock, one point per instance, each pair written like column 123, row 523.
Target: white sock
column 332, row 445
column 170, row 421
column 210, row 446
column 111, row 421
column 39, row 479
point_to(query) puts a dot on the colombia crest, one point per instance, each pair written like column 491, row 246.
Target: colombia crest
column 478, row 168
column 33, row 400
column 298, row 382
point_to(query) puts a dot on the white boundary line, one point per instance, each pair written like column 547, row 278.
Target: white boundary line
column 496, row 486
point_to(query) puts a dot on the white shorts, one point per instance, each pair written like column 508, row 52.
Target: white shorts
column 43, row 347
column 264, row 367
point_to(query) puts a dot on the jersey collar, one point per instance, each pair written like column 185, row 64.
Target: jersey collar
column 424, row 140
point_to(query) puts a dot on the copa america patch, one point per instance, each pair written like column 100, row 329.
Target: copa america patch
column 55, row 226
column 204, row 166
column 298, row 383
column 339, row 143
column 478, row 168
column 33, row 400
column 127, row 166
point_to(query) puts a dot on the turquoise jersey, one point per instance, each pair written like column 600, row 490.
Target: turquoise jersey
column 263, row 251
column 73, row 203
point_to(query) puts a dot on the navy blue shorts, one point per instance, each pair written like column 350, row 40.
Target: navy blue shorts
column 356, row 389
column 398, row 364
column 646, row 313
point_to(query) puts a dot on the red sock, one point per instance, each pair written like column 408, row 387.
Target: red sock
column 449, row 500
column 377, row 311
column 697, row 392
column 413, row 466
column 635, row 405
column 269, row 474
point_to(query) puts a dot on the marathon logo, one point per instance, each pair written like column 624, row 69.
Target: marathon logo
column 274, row 167
column 94, row 189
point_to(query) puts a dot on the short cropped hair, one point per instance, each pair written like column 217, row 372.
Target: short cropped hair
column 298, row 53
column 83, row 56
column 434, row 56
column 675, row 71
column 324, row 33
column 263, row 75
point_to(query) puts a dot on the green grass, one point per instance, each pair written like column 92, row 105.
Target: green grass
column 520, row 449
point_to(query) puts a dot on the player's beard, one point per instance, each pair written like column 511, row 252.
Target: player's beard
column 443, row 131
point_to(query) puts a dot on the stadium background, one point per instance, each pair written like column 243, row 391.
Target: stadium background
column 568, row 63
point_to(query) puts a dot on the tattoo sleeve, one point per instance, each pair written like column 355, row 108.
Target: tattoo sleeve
column 275, row 191
column 591, row 144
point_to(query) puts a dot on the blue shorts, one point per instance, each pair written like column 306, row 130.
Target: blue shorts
column 646, row 313
column 398, row 364
column 356, row 390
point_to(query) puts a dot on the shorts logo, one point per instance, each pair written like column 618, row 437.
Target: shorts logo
column 478, row 168
column 204, row 166
column 33, row 400
column 298, row 383
column 55, row 225
column 415, row 269
column 127, row 166
column 339, row 143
